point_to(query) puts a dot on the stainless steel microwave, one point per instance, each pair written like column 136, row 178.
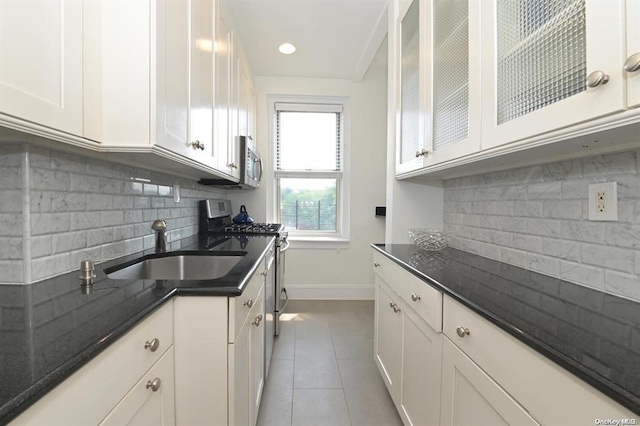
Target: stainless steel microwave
column 250, row 168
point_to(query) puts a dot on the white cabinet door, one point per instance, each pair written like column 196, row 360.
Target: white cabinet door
column 257, row 323
column 388, row 337
column 41, row 62
column 151, row 401
column 421, row 358
column 234, row 112
column 240, row 384
column 536, row 60
column 173, row 70
column 202, row 78
column 470, row 397
column 633, row 48
column 410, row 136
column 453, row 79
column 222, row 94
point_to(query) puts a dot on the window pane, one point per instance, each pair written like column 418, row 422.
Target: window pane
column 308, row 141
column 308, row 204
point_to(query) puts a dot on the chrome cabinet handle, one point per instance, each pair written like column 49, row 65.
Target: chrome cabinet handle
column 376, row 264
column 462, row 331
column 248, row 303
column 597, row 78
column 421, row 153
column 152, row 344
column 415, row 297
column 154, row 384
column 256, row 322
column 394, row 306
column 632, row 64
column 197, row 145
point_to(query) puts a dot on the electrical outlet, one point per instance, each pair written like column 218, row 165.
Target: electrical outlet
column 603, row 202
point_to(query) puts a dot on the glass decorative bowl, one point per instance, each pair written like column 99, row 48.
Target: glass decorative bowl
column 429, row 239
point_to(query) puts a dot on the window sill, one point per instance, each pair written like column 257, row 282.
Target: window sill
column 317, row 243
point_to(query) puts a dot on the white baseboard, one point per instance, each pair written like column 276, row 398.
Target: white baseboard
column 330, row 292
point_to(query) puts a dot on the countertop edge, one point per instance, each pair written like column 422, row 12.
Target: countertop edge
column 602, row 384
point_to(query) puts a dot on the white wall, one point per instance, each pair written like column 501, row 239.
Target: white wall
column 409, row 204
column 330, row 272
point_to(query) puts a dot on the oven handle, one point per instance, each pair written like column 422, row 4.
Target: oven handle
column 284, row 248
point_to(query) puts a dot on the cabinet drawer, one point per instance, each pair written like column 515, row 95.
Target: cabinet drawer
column 151, row 401
column 88, row 395
column 240, row 307
column 420, row 296
column 525, row 374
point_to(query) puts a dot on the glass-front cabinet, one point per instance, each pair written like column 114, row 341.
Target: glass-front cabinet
column 410, row 131
column 439, row 83
column 453, row 71
column 549, row 64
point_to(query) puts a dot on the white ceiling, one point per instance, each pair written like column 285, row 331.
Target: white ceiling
column 334, row 38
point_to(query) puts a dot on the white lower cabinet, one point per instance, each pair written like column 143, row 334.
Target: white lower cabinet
column 220, row 356
column 151, row 401
column 470, row 397
column 407, row 351
column 112, row 387
column 444, row 364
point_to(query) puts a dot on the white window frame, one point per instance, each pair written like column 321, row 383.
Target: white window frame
column 315, row 238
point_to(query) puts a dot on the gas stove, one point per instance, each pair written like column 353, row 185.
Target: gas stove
column 215, row 219
column 252, row 228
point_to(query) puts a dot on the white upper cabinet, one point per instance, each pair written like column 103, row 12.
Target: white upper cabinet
column 633, row 53
column 453, row 70
column 41, row 62
column 410, row 126
column 202, row 81
column 549, row 64
column 173, row 72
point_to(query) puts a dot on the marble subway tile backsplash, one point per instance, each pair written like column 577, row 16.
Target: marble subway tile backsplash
column 83, row 208
column 537, row 218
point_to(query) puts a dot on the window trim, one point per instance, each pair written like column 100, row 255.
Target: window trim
column 341, row 236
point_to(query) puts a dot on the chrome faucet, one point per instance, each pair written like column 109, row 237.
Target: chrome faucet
column 160, row 226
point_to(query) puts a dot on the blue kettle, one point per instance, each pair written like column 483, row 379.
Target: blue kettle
column 243, row 216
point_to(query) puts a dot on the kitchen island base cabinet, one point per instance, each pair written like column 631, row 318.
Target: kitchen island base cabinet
column 150, row 402
column 470, row 397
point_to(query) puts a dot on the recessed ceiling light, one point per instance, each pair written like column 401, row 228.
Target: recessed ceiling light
column 287, row 48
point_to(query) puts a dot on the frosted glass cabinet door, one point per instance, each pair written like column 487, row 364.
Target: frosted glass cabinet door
column 537, row 57
column 454, row 67
column 633, row 52
column 410, row 132
column 41, row 62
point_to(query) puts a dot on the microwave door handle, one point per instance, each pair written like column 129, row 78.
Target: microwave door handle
column 259, row 161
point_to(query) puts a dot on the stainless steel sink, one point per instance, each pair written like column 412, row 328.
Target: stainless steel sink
column 176, row 267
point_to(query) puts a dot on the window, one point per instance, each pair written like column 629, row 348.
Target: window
column 309, row 168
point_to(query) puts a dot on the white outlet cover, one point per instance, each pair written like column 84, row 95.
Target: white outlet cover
column 610, row 213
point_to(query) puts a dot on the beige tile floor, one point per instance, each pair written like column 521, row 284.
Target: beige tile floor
column 322, row 370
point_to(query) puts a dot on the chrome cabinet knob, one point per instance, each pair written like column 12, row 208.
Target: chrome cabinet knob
column 152, row 344
column 415, row 297
column 263, row 273
column 197, row 145
column 154, row 384
column 421, row 153
column 462, row 331
column 597, row 78
column 256, row 322
column 632, row 64
column 391, row 305
column 396, row 309
column 376, row 264
column 232, row 165
column 248, row 303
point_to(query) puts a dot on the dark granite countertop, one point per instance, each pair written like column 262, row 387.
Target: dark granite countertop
column 48, row 330
column 592, row 334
